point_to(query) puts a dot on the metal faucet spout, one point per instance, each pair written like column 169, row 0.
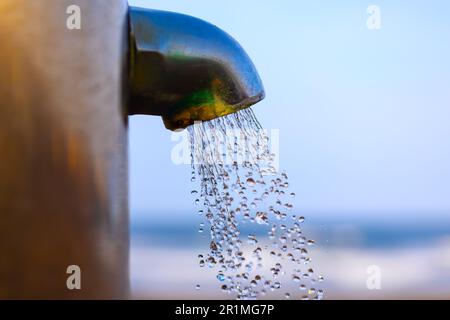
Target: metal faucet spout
column 185, row 69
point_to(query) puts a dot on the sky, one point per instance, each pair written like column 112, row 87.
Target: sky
column 363, row 114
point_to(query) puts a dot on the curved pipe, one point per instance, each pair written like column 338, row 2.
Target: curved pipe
column 185, row 69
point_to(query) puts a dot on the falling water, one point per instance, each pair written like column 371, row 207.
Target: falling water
column 239, row 185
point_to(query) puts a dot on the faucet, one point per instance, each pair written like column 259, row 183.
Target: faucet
column 65, row 98
column 185, row 69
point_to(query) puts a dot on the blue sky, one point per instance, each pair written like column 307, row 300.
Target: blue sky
column 364, row 115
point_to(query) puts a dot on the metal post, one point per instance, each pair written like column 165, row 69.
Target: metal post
column 63, row 149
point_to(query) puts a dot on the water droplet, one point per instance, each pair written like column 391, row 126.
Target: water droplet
column 228, row 201
column 319, row 294
column 252, row 239
column 288, row 206
column 197, row 287
column 251, row 182
column 261, row 218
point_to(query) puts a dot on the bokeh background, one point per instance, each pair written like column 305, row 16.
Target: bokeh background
column 364, row 123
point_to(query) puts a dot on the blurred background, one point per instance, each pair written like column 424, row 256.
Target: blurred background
column 363, row 116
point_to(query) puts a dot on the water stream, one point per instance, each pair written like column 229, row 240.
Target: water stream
column 239, row 185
